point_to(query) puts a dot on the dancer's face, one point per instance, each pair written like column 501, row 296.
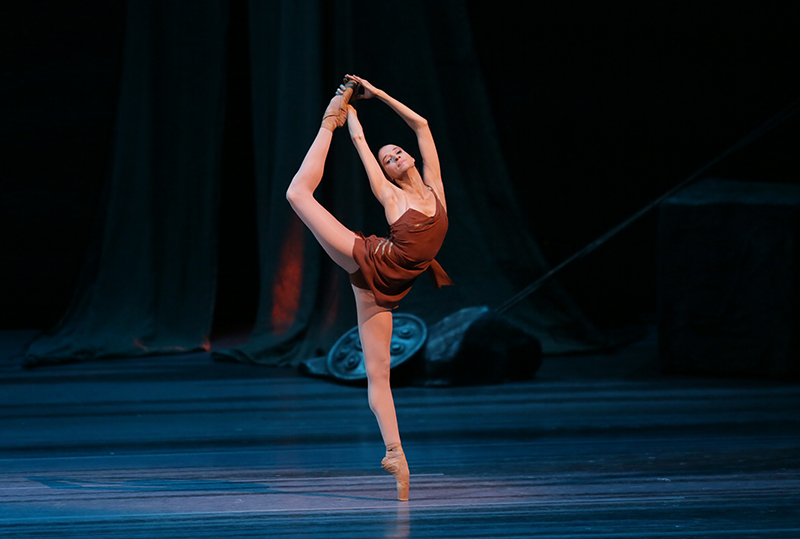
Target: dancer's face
column 395, row 161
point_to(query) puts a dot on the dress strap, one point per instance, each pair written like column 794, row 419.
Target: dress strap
column 434, row 193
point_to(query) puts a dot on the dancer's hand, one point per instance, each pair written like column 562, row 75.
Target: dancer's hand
column 341, row 89
column 369, row 90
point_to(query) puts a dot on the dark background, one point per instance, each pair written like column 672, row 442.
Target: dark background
column 599, row 108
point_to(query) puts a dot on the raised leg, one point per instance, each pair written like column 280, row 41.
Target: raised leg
column 375, row 330
column 336, row 239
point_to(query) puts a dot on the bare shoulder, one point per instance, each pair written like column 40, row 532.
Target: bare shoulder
column 434, row 183
column 393, row 201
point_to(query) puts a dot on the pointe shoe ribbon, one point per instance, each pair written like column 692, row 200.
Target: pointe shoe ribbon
column 336, row 113
column 395, row 463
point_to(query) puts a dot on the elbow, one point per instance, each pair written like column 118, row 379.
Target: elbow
column 421, row 124
column 292, row 194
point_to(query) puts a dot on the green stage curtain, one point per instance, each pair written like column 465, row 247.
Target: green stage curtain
column 150, row 281
column 148, row 285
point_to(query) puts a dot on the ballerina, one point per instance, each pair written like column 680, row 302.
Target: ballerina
column 382, row 270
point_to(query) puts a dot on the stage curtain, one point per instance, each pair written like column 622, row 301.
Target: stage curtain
column 288, row 52
column 148, row 283
column 423, row 55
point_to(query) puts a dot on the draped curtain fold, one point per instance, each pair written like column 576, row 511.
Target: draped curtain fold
column 149, row 286
column 287, row 60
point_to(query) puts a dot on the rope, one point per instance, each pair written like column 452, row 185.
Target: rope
column 751, row 137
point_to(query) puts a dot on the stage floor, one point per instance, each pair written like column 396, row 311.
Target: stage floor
column 596, row 446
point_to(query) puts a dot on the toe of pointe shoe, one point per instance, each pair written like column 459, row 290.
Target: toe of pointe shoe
column 402, row 493
column 398, row 467
column 352, row 88
column 402, row 480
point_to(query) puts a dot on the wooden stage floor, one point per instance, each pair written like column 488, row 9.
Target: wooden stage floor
column 596, row 446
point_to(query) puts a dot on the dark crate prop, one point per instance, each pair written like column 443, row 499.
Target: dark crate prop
column 728, row 280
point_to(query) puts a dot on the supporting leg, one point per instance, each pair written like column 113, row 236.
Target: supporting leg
column 375, row 330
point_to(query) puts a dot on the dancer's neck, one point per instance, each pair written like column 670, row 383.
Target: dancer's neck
column 412, row 182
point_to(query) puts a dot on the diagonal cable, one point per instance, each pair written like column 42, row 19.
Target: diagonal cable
column 751, row 137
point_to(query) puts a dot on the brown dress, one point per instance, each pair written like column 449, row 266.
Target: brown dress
column 389, row 266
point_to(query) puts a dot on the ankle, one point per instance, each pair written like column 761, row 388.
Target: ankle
column 394, row 449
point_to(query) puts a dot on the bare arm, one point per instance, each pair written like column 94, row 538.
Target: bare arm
column 431, row 172
column 383, row 190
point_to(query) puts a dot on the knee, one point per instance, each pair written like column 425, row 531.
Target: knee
column 378, row 392
column 378, row 375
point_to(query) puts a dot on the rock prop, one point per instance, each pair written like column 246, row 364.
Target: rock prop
column 473, row 346
column 476, row 346
column 345, row 361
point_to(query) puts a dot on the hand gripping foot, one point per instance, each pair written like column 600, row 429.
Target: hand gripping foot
column 336, row 113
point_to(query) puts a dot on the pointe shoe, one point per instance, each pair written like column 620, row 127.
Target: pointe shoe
column 336, row 113
column 395, row 463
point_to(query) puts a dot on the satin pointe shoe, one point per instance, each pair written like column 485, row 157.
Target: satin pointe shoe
column 395, row 463
column 336, row 113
